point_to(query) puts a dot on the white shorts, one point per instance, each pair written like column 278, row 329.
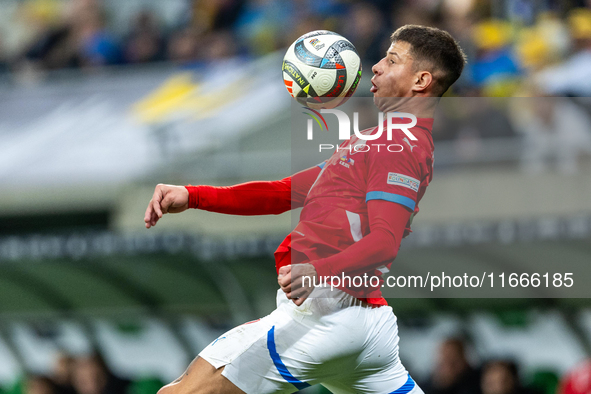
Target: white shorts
column 341, row 343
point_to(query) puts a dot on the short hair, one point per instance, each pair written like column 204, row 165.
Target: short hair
column 436, row 49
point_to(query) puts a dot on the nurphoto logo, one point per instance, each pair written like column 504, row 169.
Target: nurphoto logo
column 394, row 121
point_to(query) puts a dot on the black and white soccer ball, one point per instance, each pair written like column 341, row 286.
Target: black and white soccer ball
column 321, row 69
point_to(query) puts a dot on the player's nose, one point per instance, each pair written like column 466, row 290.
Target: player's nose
column 376, row 69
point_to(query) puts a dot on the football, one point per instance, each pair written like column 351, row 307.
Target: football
column 321, row 69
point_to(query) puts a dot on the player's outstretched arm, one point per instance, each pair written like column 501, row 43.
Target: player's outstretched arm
column 255, row 198
column 166, row 199
column 250, row 198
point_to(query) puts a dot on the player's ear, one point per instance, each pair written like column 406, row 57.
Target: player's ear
column 423, row 80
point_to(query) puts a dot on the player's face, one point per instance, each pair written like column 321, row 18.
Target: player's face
column 393, row 75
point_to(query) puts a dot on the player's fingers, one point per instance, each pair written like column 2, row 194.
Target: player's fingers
column 286, row 287
column 286, row 269
column 299, row 301
column 148, row 218
column 156, row 207
column 296, row 283
column 295, row 293
column 298, row 296
column 148, row 214
column 166, row 203
column 284, row 280
column 156, row 200
column 154, row 219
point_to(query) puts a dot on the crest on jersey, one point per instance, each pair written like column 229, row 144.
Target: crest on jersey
column 346, row 161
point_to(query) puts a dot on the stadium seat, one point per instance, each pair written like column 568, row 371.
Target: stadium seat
column 527, row 342
column 17, row 387
column 544, row 381
column 145, row 386
column 140, row 347
column 40, row 344
column 8, row 365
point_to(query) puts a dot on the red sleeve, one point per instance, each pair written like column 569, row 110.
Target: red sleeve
column 301, row 183
column 254, row 198
column 387, row 222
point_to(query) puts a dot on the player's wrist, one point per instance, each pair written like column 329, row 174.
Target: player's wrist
column 322, row 268
column 193, row 196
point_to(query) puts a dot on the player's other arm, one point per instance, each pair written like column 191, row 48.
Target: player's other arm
column 392, row 187
column 387, row 221
column 251, row 198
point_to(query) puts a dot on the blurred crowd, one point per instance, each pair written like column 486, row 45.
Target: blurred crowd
column 87, row 374
column 452, row 374
column 515, row 47
column 543, row 133
column 456, row 373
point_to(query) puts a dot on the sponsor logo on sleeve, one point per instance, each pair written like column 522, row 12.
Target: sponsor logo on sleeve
column 404, row 181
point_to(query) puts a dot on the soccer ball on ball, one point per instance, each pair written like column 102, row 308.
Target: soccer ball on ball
column 321, row 69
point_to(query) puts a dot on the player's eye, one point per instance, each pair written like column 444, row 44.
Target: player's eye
column 392, row 61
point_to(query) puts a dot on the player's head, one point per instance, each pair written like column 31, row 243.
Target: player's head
column 421, row 61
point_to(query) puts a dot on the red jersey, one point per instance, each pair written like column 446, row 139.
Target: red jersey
column 335, row 214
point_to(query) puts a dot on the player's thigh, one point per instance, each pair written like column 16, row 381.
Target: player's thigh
column 380, row 370
column 201, row 378
column 374, row 385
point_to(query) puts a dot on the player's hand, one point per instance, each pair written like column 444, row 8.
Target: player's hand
column 166, row 199
column 291, row 281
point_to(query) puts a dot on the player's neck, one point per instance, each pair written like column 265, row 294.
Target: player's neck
column 421, row 107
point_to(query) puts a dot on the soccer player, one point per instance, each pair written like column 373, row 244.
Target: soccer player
column 353, row 219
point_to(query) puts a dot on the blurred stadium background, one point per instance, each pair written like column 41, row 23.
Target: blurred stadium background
column 101, row 100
